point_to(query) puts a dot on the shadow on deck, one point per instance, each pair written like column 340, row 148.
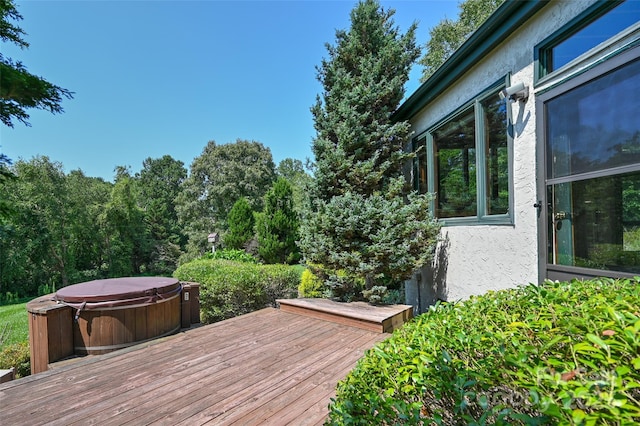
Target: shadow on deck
column 272, row 366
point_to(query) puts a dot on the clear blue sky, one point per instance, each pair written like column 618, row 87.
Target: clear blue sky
column 165, row 77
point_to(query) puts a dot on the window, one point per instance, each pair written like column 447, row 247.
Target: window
column 593, row 173
column 597, row 24
column 420, row 165
column 455, row 151
column 595, row 126
column 468, row 162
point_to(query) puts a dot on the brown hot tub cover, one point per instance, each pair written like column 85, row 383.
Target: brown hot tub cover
column 115, row 292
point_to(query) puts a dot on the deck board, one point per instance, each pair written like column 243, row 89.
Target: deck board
column 267, row 367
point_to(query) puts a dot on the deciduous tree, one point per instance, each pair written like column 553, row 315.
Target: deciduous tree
column 127, row 237
column 218, row 178
column 294, row 172
column 448, row 35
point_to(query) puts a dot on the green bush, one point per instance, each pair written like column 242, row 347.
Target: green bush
column 16, row 355
column 558, row 353
column 229, row 289
column 337, row 285
column 311, row 285
column 231, row 254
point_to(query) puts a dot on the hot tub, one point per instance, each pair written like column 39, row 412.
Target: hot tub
column 116, row 313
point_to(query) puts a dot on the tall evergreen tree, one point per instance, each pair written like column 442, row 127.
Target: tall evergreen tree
column 361, row 219
column 277, row 225
column 241, row 223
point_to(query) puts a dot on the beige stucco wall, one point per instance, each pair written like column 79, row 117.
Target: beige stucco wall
column 479, row 258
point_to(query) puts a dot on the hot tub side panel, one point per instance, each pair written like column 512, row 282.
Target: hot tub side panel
column 106, row 330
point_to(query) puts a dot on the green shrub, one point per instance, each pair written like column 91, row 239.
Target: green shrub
column 229, row 289
column 337, row 285
column 311, row 285
column 280, row 281
column 558, row 353
column 376, row 294
column 16, row 355
column 231, row 254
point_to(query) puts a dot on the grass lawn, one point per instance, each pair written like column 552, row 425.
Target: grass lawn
column 14, row 324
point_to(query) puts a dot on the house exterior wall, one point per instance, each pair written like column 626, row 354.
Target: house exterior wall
column 473, row 259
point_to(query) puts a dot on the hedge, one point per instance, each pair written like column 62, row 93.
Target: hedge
column 558, row 353
column 16, row 355
column 229, row 289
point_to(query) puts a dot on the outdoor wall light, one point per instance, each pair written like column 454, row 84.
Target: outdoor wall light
column 517, row 92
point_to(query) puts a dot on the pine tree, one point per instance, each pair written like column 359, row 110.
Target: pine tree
column 241, row 224
column 277, row 225
column 362, row 224
column 19, row 89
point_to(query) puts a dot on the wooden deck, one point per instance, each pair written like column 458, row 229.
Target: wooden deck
column 267, row 367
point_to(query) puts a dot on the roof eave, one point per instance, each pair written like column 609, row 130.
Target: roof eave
column 508, row 17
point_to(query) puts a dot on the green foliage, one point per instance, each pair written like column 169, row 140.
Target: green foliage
column 311, row 285
column 16, row 355
column 19, row 89
column 128, row 239
column 558, row 353
column 338, row 284
column 380, row 238
column 241, row 224
column 230, row 254
column 229, row 289
column 220, row 176
column 159, row 184
column 376, row 294
column 69, row 228
column 357, row 147
column 277, row 225
column 294, row 172
column 14, row 338
column 5, row 175
column 53, row 232
column 87, row 198
column 446, row 37
column 360, row 218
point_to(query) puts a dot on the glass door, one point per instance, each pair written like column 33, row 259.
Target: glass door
column 591, row 226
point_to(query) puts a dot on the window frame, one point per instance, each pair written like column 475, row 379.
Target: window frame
column 543, row 50
column 481, row 217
